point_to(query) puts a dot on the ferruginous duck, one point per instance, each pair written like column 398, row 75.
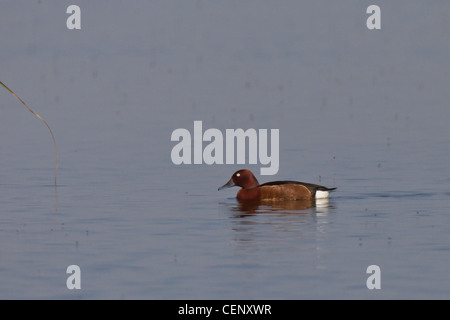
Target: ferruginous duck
column 275, row 190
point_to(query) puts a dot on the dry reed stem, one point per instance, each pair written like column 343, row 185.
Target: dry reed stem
column 40, row 118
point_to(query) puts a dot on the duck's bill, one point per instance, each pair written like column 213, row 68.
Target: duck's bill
column 229, row 184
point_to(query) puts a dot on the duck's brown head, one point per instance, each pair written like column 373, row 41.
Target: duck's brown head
column 242, row 178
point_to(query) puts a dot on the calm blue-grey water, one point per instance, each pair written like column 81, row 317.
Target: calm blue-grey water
column 365, row 111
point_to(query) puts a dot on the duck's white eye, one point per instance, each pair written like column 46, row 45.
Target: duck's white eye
column 238, row 174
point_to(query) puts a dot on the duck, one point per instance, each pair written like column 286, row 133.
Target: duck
column 275, row 190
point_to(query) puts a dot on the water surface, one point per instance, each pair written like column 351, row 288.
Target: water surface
column 365, row 111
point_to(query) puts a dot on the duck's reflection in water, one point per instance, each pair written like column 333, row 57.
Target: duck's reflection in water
column 282, row 227
column 248, row 208
column 251, row 218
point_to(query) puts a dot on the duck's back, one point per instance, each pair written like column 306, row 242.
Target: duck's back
column 292, row 190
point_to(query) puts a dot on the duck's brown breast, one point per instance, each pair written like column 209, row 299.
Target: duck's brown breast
column 249, row 194
column 285, row 192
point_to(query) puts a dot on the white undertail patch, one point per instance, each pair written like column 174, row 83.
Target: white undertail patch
column 322, row 194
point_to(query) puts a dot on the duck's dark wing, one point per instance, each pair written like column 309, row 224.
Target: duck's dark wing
column 311, row 186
